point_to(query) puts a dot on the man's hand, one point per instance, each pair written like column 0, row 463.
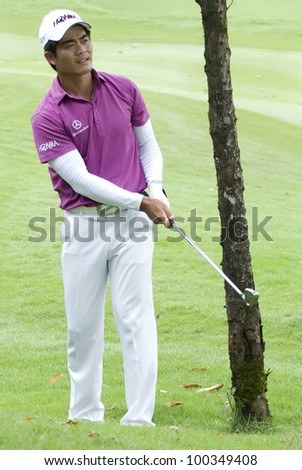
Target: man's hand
column 157, row 211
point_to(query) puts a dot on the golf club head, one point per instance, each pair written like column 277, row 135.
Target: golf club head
column 250, row 297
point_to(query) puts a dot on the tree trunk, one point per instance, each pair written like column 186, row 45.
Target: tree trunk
column 246, row 346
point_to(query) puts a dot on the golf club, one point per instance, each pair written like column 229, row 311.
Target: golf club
column 249, row 296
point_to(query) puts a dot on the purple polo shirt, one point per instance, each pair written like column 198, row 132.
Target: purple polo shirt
column 101, row 130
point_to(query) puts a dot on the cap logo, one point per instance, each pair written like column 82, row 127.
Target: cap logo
column 63, row 18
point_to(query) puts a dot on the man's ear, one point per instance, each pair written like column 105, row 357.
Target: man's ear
column 50, row 57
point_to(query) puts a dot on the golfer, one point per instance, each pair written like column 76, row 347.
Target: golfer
column 94, row 131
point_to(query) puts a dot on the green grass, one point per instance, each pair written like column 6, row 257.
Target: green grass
column 160, row 47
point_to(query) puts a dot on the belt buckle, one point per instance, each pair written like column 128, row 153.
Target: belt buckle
column 99, row 210
column 105, row 210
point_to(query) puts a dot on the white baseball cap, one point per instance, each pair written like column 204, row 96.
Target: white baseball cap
column 56, row 23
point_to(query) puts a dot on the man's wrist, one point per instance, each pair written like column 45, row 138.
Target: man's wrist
column 155, row 188
column 156, row 182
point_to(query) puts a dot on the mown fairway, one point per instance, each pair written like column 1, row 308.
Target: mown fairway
column 159, row 45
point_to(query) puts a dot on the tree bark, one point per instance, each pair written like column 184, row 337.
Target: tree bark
column 246, row 345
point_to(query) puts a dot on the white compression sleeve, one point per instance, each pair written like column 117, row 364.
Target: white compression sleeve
column 71, row 167
column 149, row 152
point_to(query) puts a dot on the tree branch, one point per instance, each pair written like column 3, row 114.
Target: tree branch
column 230, row 4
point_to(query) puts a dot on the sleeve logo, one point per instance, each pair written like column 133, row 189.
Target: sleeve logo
column 48, row 146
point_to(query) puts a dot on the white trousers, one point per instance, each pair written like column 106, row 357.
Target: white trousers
column 119, row 246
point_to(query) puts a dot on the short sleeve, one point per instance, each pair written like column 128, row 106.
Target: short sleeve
column 50, row 137
column 140, row 113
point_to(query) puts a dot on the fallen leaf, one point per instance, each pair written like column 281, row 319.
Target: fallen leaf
column 189, row 385
column 70, row 422
column 174, row 428
column 113, row 406
column 174, row 403
column 115, row 440
column 29, row 419
column 210, row 389
column 195, row 369
column 55, row 378
column 163, row 391
column 92, row 434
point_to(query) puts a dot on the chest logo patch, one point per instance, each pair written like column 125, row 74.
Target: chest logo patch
column 77, row 125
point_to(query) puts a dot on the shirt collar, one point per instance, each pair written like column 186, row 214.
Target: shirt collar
column 59, row 93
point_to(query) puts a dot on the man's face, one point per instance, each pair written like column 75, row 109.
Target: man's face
column 73, row 53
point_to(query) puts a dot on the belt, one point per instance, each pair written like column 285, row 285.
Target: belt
column 101, row 210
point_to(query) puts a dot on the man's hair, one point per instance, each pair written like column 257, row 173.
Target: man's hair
column 51, row 46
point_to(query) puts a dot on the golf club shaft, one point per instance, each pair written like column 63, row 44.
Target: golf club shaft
column 225, row 277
